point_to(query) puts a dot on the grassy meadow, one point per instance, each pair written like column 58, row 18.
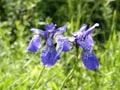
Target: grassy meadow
column 23, row 70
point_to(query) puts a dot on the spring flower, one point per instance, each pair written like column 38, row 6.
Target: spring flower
column 83, row 39
column 49, row 54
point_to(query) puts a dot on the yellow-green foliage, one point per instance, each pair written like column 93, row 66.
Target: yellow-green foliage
column 19, row 69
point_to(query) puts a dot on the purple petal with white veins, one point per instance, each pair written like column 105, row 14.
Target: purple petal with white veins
column 90, row 60
column 87, row 43
column 48, row 56
column 34, row 44
column 49, row 42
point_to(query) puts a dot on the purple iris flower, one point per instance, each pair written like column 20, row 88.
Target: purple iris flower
column 49, row 54
column 83, row 39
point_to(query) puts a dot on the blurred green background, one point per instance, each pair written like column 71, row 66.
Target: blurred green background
column 19, row 69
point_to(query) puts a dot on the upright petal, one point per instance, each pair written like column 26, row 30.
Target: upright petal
column 80, row 31
column 46, row 35
column 83, row 28
column 50, row 27
column 34, row 44
column 90, row 60
column 48, row 56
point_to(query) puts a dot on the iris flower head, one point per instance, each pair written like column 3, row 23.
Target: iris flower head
column 50, row 54
column 84, row 39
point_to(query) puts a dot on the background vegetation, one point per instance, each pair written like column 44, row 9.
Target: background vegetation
column 19, row 69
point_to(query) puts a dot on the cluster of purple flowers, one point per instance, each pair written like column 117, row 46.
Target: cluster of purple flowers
column 51, row 52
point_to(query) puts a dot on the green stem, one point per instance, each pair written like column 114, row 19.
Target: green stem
column 72, row 71
column 34, row 85
column 66, row 79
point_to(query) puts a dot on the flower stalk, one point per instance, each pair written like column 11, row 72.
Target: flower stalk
column 39, row 78
column 73, row 69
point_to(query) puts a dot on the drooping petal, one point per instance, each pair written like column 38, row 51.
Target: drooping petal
column 48, row 56
column 90, row 60
column 87, row 43
column 45, row 34
column 37, row 31
column 66, row 46
column 34, row 44
column 50, row 27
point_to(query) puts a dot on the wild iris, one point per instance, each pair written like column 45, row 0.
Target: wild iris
column 83, row 39
column 49, row 54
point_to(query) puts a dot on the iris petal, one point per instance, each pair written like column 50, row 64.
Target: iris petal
column 66, row 46
column 80, row 31
column 48, row 56
column 60, row 48
column 49, row 42
column 50, row 27
column 90, row 60
column 34, row 44
column 89, row 31
column 87, row 43
column 37, row 31
column 64, row 43
column 61, row 30
column 46, row 35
